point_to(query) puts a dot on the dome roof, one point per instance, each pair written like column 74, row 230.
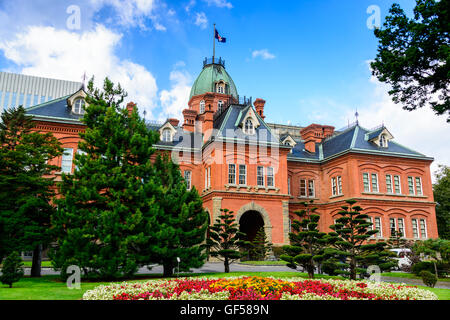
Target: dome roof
column 210, row 75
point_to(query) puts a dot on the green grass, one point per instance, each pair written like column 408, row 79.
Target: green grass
column 51, row 288
column 408, row 275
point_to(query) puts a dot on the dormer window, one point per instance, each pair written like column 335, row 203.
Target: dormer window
column 220, row 87
column 202, row 106
column 167, row 135
column 249, row 128
column 78, row 106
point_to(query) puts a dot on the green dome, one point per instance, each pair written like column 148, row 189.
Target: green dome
column 210, row 75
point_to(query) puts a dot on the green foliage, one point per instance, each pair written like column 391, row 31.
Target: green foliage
column 26, row 184
column 441, row 193
column 107, row 203
column 307, row 244
column 260, row 247
column 179, row 227
column 225, row 241
column 437, row 252
column 350, row 243
column 428, row 278
column 12, row 270
column 413, row 56
column 396, row 240
column 330, row 267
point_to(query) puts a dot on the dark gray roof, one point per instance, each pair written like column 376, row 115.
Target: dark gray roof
column 57, row 108
column 376, row 133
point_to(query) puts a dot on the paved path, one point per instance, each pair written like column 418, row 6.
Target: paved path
column 218, row 267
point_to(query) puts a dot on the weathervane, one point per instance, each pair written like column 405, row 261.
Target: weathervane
column 356, row 116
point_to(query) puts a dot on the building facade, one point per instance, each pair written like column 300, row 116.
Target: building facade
column 263, row 172
column 28, row 91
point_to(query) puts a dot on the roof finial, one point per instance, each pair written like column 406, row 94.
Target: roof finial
column 84, row 79
column 356, row 116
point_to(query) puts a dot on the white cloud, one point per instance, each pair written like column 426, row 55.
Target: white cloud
column 175, row 100
column 60, row 54
column 201, row 20
column 264, row 54
column 219, row 3
column 420, row 130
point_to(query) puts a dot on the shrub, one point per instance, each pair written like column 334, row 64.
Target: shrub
column 330, row 268
column 428, row 278
column 422, row 266
column 12, row 269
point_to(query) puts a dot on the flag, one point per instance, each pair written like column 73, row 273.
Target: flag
column 219, row 38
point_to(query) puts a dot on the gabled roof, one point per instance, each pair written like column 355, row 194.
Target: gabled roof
column 56, row 110
column 354, row 139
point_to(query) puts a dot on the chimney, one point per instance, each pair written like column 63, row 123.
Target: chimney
column 174, row 122
column 259, row 106
column 315, row 133
column 130, row 107
column 189, row 119
column 208, row 121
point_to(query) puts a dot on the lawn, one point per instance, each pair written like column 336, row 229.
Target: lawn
column 408, row 275
column 51, row 288
column 264, row 263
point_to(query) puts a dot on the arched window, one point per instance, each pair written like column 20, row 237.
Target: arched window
column 220, row 106
column 78, row 106
column 249, row 128
column 202, row 106
column 220, row 87
column 167, row 135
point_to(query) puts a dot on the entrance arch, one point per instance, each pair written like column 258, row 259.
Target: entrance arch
column 253, row 211
column 250, row 223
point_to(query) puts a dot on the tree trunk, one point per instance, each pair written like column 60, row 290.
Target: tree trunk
column 353, row 268
column 435, row 269
column 37, row 261
column 227, row 265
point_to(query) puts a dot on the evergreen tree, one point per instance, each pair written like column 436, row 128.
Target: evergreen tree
column 26, row 185
column 396, row 240
column 350, row 240
column 441, row 193
column 105, row 203
column 179, row 228
column 260, row 247
column 12, row 270
column 225, row 240
column 307, row 243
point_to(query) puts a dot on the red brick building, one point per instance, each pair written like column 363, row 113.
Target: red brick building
column 264, row 171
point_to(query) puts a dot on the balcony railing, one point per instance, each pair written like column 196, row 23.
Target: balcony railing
column 214, row 60
column 238, row 101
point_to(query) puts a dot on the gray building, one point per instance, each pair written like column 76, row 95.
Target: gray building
column 18, row 89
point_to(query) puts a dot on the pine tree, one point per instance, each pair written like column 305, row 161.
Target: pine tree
column 307, row 243
column 26, row 185
column 12, row 270
column 111, row 194
column 349, row 240
column 260, row 247
column 179, row 228
column 396, row 240
column 225, row 240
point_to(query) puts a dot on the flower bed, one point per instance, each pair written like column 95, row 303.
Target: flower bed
column 257, row 288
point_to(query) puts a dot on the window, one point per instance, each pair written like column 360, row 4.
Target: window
column 14, row 98
column 339, row 181
column 42, row 99
column 28, row 102
column 202, row 106
column 231, row 174
column 6, row 101
column 383, row 141
column 423, row 229
column 78, row 106
column 36, row 99
column 220, row 88
column 411, row 185
column 167, row 135
column 220, row 106
column 389, row 183
column 187, row 178
column 311, row 191
column 270, row 177
column 378, row 227
column 397, row 184
column 260, row 176
column 401, row 226
column 333, row 186
column 366, row 182
column 242, row 174
column 249, row 128
column 374, row 182
column 67, row 159
column 21, row 97
column 207, row 178
column 392, row 225
column 303, row 191
column 415, row 228
column 418, row 186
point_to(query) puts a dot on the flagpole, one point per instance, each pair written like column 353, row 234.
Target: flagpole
column 214, row 43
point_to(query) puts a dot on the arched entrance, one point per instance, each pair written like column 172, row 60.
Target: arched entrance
column 250, row 223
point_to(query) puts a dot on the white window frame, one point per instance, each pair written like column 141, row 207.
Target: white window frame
column 390, row 225
column 415, row 228
column 399, row 185
column 66, row 158
column 188, row 179
column 220, row 106
column 244, row 175
column 270, row 175
column 167, row 135
column 202, row 106
column 334, row 186
column 411, row 189
column 305, row 188
column 313, row 193
column 391, row 184
column 402, row 227
column 232, row 173
column 423, row 236
column 380, row 231
column 249, row 129
column 419, row 192
column 260, row 178
column 376, row 182
column 339, row 185
column 78, row 106
column 366, row 182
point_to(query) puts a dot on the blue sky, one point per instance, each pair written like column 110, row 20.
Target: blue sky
column 307, row 59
